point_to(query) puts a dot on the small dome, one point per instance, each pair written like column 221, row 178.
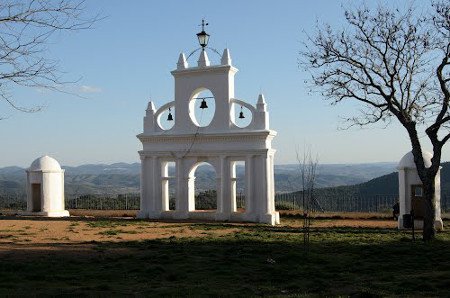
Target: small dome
column 45, row 163
column 407, row 161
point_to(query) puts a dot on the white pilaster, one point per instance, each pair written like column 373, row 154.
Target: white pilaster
column 249, row 185
column 233, row 186
column 146, row 175
column 165, row 186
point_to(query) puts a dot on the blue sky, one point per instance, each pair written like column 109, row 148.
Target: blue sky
column 127, row 58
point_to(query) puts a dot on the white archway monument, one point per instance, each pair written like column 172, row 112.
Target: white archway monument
column 222, row 144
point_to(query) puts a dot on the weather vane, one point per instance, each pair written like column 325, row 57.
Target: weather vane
column 204, row 24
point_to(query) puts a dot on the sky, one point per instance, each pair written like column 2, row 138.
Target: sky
column 126, row 59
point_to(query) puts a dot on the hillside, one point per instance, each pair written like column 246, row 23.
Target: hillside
column 120, row 178
column 383, row 185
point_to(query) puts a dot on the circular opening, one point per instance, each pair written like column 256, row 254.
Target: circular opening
column 164, row 121
column 202, row 108
column 242, row 117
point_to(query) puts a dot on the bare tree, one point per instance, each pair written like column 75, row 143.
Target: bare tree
column 396, row 64
column 307, row 168
column 25, row 29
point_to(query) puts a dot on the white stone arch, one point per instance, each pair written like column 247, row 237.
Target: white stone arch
column 214, row 162
column 165, row 179
column 193, row 107
column 161, row 110
column 251, row 108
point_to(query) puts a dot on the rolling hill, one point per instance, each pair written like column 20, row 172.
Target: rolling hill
column 120, row 178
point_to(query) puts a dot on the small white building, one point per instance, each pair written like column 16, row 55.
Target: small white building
column 45, row 188
column 411, row 191
column 222, row 144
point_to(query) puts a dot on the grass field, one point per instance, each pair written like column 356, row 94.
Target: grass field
column 117, row 257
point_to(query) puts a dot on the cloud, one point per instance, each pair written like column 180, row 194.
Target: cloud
column 89, row 89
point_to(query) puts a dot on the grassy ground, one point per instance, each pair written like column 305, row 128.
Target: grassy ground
column 252, row 260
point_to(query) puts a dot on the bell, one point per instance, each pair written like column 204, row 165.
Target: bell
column 169, row 117
column 203, row 104
column 241, row 114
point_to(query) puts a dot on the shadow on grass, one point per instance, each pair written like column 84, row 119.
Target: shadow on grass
column 258, row 260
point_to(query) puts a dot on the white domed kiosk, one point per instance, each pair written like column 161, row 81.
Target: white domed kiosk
column 45, row 188
column 411, row 191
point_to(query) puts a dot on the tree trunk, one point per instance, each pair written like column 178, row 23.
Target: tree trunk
column 429, row 231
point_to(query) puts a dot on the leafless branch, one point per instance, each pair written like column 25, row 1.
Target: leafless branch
column 25, row 31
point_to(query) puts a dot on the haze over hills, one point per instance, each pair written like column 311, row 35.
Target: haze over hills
column 120, row 178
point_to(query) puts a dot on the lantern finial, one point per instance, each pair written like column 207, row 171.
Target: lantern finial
column 202, row 36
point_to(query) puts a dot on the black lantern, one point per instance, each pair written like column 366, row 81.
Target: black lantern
column 203, row 37
column 241, row 114
column 203, row 105
column 169, row 117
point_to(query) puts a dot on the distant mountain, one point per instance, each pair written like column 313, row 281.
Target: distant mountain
column 100, row 169
column 380, row 186
column 122, row 178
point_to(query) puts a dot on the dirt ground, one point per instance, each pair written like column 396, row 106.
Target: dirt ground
column 84, row 228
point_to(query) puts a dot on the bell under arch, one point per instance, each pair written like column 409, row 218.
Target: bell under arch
column 202, row 107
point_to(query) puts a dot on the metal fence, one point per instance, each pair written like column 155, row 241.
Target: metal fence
column 104, row 202
column 340, row 203
column 283, row 201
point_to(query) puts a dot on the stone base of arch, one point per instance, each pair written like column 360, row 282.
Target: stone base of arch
column 269, row 218
column 259, row 187
column 62, row 213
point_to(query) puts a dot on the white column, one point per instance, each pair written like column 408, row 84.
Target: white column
column 146, row 176
column 63, row 206
column 271, row 184
column 259, row 181
column 180, row 204
column 156, row 191
column 267, row 191
column 249, row 201
column 233, row 186
column 183, row 205
column 165, row 186
column 225, row 194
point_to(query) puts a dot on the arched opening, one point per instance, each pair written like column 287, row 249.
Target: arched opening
column 166, row 119
column 238, row 185
column 202, row 108
column 36, row 197
column 168, row 176
column 204, row 176
column 241, row 115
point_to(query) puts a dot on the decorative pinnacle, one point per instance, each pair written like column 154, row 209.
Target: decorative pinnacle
column 182, row 63
column 150, row 107
column 226, row 58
